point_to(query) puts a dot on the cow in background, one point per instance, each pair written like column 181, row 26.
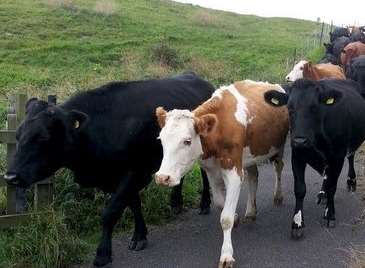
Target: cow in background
column 339, row 32
column 356, row 71
column 305, row 69
column 327, row 123
column 351, row 51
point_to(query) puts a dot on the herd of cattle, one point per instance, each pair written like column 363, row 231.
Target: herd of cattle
column 116, row 136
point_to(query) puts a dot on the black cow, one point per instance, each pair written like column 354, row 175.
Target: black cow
column 357, row 36
column 338, row 45
column 108, row 138
column 338, row 32
column 329, row 58
column 356, row 71
column 327, row 123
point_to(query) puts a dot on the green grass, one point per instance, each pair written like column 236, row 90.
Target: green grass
column 63, row 46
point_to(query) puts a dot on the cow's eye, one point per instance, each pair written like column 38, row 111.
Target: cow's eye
column 187, row 142
column 301, row 68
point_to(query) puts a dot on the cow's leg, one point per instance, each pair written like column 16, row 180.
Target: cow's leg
column 176, row 199
column 278, row 167
column 139, row 239
column 112, row 213
column 205, row 199
column 252, row 175
column 333, row 172
column 321, row 196
column 298, row 166
column 232, row 182
column 351, row 181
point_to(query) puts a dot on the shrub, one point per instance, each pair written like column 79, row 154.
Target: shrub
column 163, row 54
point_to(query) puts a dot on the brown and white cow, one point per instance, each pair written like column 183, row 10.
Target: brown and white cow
column 305, row 69
column 231, row 133
column 351, row 51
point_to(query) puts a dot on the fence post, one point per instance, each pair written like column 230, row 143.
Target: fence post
column 10, row 150
column 321, row 38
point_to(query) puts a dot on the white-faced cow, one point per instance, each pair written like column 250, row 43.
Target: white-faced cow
column 305, row 69
column 108, row 138
column 231, row 133
column 327, row 123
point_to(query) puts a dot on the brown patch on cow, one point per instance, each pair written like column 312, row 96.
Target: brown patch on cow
column 268, row 126
column 161, row 116
column 322, row 70
column 351, row 51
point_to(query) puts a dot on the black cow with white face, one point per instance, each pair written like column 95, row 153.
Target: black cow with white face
column 108, row 138
column 327, row 123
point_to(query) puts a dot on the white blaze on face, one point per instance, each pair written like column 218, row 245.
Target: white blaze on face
column 181, row 146
column 297, row 72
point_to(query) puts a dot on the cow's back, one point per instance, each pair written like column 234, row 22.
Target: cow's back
column 122, row 130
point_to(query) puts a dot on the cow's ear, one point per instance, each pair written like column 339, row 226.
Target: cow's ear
column 276, row 98
column 205, row 124
column 78, row 119
column 161, row 116
column 330, row 97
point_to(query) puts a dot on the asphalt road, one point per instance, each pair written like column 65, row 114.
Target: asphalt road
column 195, row 241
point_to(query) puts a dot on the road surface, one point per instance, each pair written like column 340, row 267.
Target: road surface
column 195, row 241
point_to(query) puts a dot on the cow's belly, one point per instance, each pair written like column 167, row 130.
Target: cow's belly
column 249, row 159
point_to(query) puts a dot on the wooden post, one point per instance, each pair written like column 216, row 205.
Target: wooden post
column 10, row 150
column 321, row 38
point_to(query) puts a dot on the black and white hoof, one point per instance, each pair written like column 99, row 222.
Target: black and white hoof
column 204, row 211
column 102, row 261
column 176, row 210
column 321, row 198
column 137, row 245
column 328, row 223
column 249, row 219
column 297, row 233
column 351, row 185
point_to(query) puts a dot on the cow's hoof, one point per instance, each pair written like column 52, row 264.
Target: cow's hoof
column 102, row 261
column 176, row 210
column 249, row 218
column 351, row 185
column 321, row 198
column 328, row 223
column 226, row 262
column 278, row 201
column 297, row 233
column 204, row 211
column 137, row 245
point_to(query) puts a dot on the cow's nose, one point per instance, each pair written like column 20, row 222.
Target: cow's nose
column 162, row 179
column 300, row 142
column 11, row 178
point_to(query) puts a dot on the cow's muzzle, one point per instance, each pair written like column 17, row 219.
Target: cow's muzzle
column 162, row 179
column 300, row 143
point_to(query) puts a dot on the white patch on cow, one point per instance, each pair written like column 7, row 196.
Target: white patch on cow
column 298, row 218
column 321, row 192
column 326, row 212
column 297, row 72
column 216, row 183
column 178, row 157
column 241, row 113
column 279, row 88
column 248, row 159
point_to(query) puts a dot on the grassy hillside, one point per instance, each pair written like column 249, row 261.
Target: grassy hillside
column 70, row 44
column 62, row 46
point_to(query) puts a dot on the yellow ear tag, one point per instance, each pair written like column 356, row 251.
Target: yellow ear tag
column 275, row 101
column 77, row 124
column 330, row 101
